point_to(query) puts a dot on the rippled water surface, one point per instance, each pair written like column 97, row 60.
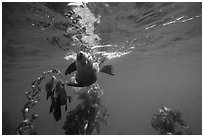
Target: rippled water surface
column 155, row 49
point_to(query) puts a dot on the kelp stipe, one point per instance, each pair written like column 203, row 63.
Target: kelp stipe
column 26, row 127
column 85, row 118
column 165, row 122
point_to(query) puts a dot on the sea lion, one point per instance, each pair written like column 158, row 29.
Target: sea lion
column 86, row 70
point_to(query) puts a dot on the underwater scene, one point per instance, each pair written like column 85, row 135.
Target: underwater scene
column 102, row 68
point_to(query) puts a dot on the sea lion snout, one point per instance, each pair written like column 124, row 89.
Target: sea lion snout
column 82, row 58
column 80, row 55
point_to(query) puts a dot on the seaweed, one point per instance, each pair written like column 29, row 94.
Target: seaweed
column 165, row 122
column 85, row 118
column 56, row 90
column 33, row 96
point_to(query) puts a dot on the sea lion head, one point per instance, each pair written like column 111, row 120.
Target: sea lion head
column 84, row 59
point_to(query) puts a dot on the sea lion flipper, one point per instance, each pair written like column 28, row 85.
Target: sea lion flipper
column 73, row 84
column 108, row 69
column 71, row 68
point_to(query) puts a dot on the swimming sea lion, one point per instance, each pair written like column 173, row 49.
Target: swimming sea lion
column 86, row 70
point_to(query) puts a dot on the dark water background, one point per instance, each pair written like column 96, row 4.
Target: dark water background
column 155, row 48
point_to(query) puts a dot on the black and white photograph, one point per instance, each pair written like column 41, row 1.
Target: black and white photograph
column 101, row 68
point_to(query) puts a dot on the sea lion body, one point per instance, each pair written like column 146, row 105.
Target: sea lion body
column 86, row 70
column 86, row 73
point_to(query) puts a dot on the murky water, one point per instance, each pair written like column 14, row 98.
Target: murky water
column 155, row 48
